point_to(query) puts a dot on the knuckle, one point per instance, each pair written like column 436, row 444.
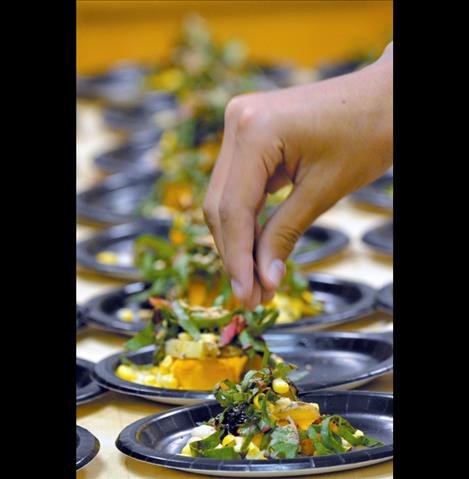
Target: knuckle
column 224, row 212
column 233, row 108
column 209, row 212
column 248, row 120
column 286, row 238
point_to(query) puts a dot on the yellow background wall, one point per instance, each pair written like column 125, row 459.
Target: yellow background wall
column 304, row 32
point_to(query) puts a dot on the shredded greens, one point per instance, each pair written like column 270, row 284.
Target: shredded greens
column 272, row 423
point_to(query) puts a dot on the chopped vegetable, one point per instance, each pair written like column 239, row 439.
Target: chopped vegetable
column 263, row 419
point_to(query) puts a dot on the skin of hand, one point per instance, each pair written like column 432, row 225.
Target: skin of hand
column 327, row 139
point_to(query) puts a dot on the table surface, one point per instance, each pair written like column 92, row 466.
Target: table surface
column 107, row 416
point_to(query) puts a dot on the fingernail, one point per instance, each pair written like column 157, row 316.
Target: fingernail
column 276, row 271
column 237, row 289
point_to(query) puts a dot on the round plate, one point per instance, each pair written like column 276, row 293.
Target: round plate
column 136, row 155
column 316, row 244
column 375, row 194
column 326, row 361
column 118, row 239
column 157, row 439
column 87, row 447
column 87, row 388
column 139, row 115
column 338, row 68
column 123, row 83
column 280, row 74
column 344, row 301
column 116, row 199
column 385, row 300
column 81, row 318
column 380, row 239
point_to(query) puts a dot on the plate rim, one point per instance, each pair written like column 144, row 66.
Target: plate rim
column 369, row 196
column 362, row 307
column 125, row 440
column 103, row 375
column 91, row 391
column 113, row 183
column 372, row 240
column 339, row 241
column 87, row 449
column 385, row 298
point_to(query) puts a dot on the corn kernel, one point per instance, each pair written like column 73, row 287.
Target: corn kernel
column 228, row 440
column 184, row 337
column 257, row 399
column 107, row 257
column 167, row 362
column 126, row 372
column 126, row 314
column 169, row 381
column 280, row 386
column 186, row 450
column 150, row 381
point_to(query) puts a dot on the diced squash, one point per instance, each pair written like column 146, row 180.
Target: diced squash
column 203, row 374
column 198, row 292
column 178, row 196
column 303, row 414
column 307, row 447
column 182, row 349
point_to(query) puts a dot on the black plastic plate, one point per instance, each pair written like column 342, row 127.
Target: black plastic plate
column 157, row 439
column 81, row 319
column 325, row 360
column 87, row 447
column 376, row 194
column 118, row 239
column 385, row 299
column 140, row 114
column 87, row 388
column 122, row 83
column 380, row 239
column 344, row 301
column 115, row 200
column 134, row 156
column 317, row 244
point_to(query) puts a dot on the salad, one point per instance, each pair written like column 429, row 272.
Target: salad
column 197, row 347
column 188, row 266
column 263, row 418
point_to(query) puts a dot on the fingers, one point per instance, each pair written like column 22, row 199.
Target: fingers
column 217, row 180
column 242, row 196
column 280, row 235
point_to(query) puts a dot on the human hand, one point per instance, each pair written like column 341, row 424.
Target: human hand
column 327, row 139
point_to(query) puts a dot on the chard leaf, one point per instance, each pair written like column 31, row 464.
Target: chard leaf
column 198, row 448
column 143, row 338
column 185, row 321
column 329, row 438
column 284, row 443
column 227, row 452
column 347, row 431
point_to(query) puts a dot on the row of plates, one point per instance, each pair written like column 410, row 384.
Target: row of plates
column 157, row 439
column 317, row 244
column 117, row 199
column 344, row 301
column 326, row 361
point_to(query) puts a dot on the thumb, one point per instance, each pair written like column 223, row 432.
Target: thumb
column 280, row 234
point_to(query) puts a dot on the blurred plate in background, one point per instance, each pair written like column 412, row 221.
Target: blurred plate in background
column 316, row 244
column 380, row 239
column 343, row 301
column 325, row 360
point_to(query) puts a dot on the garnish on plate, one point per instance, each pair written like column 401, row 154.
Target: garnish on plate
column 187, row 265
column 196, row 347
column 263, row 418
